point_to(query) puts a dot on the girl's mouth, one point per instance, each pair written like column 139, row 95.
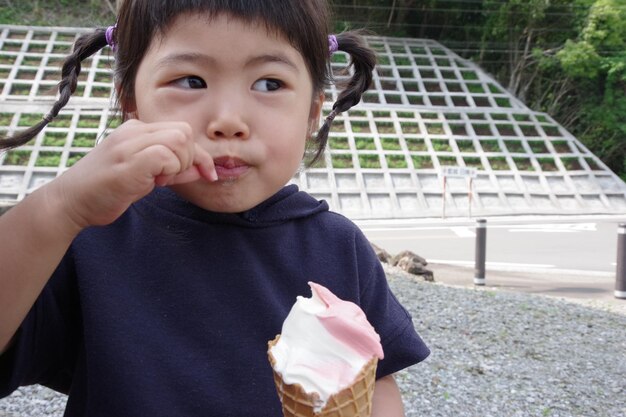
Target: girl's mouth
column 230, row 168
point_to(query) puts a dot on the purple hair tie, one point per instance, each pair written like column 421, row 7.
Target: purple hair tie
column 333, row 45
column 109, row 36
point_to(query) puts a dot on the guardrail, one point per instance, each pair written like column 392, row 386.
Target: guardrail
column 620, row 270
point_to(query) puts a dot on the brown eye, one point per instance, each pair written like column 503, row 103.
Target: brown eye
column 267, row 84
column 190, row 82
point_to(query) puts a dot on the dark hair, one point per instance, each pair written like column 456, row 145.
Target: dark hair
column 304, row 23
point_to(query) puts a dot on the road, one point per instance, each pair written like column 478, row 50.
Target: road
column 587, row 244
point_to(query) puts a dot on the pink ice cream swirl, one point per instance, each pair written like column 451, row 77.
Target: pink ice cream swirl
column 324, row 344
column 348, row 324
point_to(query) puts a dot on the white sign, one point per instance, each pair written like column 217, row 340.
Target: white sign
column 465, row 172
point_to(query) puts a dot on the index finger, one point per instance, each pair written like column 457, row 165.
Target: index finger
column 204, row 162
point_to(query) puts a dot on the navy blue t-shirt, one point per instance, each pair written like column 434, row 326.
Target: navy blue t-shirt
column 168, row 311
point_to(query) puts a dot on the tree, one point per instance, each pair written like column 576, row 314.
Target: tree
column 563, row 57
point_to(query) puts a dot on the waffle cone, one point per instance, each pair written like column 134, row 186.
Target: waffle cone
column 353, row 401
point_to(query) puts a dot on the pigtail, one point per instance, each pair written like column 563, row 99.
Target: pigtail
column 363, row 61
column 85, row 46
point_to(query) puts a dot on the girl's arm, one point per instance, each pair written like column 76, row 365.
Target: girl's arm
column 387, row 401
column 36, row 233
column 97, row 190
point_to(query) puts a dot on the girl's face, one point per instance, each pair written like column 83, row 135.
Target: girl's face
column 248, row 97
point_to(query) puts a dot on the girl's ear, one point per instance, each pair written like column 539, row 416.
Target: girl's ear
column 316, row 113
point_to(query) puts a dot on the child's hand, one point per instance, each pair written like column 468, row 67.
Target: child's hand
column 126, row 166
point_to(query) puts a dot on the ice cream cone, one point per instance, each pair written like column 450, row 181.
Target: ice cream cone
column 353, row 401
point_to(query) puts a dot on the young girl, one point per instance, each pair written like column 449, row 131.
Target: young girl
column 147, row 279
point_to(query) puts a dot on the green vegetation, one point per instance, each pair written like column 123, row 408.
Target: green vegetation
column 498, row 163
column 563, row 57
column 396, row 161
column 422, row 161
column 390, row 144
column 54, row 139
column 369, row 161
column 17, row 158
column 416, row 145
column 365, row 144
column 339, row 143
column 74, row 157
column 342, row 161
column 48, row 159
column 86, row 13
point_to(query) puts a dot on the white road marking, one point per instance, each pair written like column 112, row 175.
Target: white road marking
column 554, row 228
column 569, row 274
column 461, row 231
column 490, row 264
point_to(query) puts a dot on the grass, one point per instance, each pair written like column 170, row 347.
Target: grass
column 396, row 161
column 385, row 127
column 74, row 157
column 84, row 140
column 416, row 145
column 339, row 143
column 447, row 160
column 5, row 119
column 364, row 144
column 490, row 145
column 523, row 164
column 498, row 163
column 473, row 162
column 29, row 119
column 561, row 146
column 466, row 145
column 48, row 159
column 571, row 163
column 422, row 161
column 538, row 146
column 547, row 164
column 342, row 161
column 54, row 139
column 17, row 158
column 62, row 120
column 515, row 146
column 87, row 13
column 369, row 161
column 410, row 127
column 390, row 144
column 441, row 145
column 435, row 128
column 89, row 121
column 361, row 127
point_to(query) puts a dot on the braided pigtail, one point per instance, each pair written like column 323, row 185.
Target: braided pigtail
column 85, row 46
column 363, row 61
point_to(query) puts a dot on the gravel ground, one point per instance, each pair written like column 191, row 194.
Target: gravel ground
column 494, row 354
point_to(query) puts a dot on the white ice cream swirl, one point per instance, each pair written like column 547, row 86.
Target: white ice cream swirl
column 324, row 343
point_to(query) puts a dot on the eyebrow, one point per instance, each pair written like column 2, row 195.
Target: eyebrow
column 202, row 59
column 269, row 58
column 176, row 59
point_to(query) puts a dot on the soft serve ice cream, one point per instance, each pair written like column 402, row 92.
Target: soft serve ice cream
column 325, row 343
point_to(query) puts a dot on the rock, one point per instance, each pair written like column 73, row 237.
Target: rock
column 413, row 264
column 382, row 254
column 407, row 254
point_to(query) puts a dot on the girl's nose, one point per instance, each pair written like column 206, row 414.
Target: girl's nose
column 228, row 126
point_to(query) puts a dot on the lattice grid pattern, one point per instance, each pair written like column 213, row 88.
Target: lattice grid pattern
column 427, row 109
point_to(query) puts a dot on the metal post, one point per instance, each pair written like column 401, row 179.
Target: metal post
column 481, row 252
column 443, row 199
column 620, row 271
column 469, row 197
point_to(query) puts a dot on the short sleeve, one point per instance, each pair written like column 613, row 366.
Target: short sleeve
column 401, row 343
column 43, row 350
